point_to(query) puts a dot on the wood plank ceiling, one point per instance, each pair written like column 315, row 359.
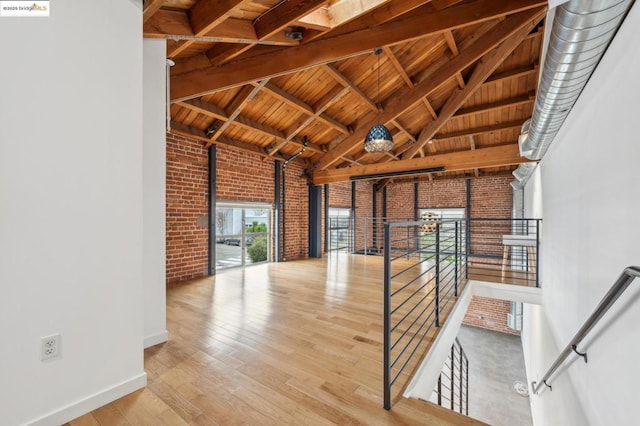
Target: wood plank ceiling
column 457, row 79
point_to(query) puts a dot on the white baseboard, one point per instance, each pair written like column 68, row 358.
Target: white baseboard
column 155, row 339
column 90, row 403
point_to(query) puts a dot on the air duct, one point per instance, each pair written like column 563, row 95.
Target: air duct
column 523, row 172
column 581, row 33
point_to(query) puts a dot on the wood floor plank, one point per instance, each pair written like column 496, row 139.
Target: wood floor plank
column 286, row 343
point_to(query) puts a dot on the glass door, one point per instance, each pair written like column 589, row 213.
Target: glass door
column 242, row 234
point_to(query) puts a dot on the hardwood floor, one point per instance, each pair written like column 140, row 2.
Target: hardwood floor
column 289, row 343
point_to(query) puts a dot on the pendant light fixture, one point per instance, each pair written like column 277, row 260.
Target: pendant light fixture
column 379, row 138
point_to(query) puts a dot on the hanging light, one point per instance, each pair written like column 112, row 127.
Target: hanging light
column 379, row 138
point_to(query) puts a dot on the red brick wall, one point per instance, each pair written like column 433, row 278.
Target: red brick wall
column 296, row 213
column 340, row 195
column 241, row 177
column 489, row 313
column 187, row 208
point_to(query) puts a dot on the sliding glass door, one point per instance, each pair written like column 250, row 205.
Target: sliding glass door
column 242, row 234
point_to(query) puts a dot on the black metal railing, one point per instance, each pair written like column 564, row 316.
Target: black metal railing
column 452, row 389
column 340, row 234
column 424, row 269
column 504, row 250
column 628, row 275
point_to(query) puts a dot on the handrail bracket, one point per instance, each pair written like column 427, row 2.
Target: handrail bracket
column 582, row 354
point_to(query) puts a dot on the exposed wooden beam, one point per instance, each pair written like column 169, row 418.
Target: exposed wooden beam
column 405, row 99
column 494, row 106
column 481, row 72
column 331, row 98
column 246, row 95
column 283, row 14
column 188, row 131
column 451, row 43
column 218, row 113
column 203, row 17
column 398, row 66
column 472, row 145
column 505, row 155
column 306, row 108
column 514, row 73
column 206, row 14
column 479, row 130
column 174, row 25
column 200, row 82
column 150, row 8
column 342, row 79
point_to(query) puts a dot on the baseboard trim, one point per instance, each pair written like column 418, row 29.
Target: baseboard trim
column 156, row 339
column 90, row 403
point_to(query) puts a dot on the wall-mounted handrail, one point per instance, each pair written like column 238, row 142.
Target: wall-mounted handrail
column 629, row 274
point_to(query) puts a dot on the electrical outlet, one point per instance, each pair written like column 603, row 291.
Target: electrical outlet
column 50, row 347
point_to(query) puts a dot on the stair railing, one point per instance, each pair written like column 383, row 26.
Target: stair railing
column 628, row 275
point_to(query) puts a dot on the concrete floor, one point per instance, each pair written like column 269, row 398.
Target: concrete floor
column 495, row 363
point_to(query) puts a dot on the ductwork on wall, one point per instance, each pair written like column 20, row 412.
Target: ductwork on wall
column 581, row 33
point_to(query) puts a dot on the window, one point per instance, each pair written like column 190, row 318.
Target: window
column 340, row 235
column 242, row 234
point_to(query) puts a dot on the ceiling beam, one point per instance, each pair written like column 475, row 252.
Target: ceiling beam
column 205, row 15
column 485, row 67
column 479, row 130
column 342, row 79
column 300, row 105
column 472, row 145
column 188, row 131
column 498, row 156
column 200, row 82
column 494, row 106
column 150, row 8
column 281, row 16
column 405, row 99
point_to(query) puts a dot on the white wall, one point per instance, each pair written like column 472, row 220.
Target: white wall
column 154, row 178
column 70, row 209
column 590, row 182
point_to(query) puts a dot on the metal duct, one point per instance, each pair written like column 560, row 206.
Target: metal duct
column 523, row 172
column 581, row 33
column 518, row 200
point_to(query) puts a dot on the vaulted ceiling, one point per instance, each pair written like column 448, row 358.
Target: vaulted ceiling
column 457, row 80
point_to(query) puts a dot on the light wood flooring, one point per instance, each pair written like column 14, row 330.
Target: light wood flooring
column 285, row 343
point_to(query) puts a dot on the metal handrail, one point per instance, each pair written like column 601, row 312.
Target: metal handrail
column 629, row 274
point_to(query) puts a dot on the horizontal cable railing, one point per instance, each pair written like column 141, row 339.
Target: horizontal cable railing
column 504, row 250
column 424, row 269
column 452, row 388
column 628, row 275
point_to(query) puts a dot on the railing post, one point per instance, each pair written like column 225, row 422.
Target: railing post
column 466, row 249
column 461, row 384
column 387, row 316
column 537, row 253
column 366, row 225
column 437, row 274
column 466, row 388
column 440, row 389
column 455, row 282
column 453, row 384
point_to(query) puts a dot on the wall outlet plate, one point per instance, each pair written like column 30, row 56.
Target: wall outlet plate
column 50, row 347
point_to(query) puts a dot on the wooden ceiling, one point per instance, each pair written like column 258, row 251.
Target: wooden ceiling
column 457, row 80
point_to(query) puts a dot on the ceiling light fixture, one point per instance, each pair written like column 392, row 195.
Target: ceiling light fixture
column 379, row 138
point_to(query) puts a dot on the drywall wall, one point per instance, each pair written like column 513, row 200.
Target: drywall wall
column 71, row 209
column 154, row 195
column 589, row 183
